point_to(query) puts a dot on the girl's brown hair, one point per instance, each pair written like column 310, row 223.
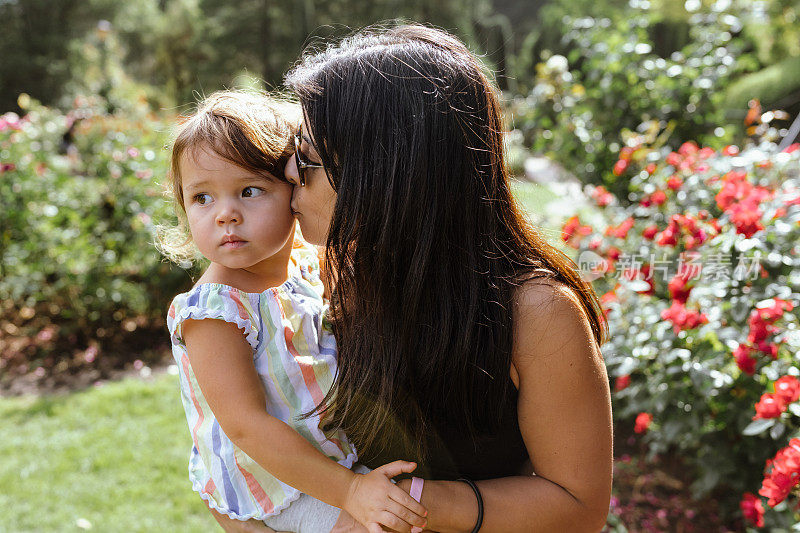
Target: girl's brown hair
column 427, row 241
column 251, row 130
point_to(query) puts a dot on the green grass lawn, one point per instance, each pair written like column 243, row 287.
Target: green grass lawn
column 115, row 456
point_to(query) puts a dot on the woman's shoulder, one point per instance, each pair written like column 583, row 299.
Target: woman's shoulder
column 550, row 321
column 546, row 292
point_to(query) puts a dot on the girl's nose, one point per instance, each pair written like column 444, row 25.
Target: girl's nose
column 228, row 214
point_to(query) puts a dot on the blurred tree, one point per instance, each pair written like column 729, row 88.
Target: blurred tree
column 34, row 45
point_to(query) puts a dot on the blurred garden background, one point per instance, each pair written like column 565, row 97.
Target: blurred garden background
column 654, row 141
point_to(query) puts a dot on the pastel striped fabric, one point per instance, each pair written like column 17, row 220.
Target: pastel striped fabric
column 295, row 358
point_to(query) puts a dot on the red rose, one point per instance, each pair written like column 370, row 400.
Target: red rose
column 658, row 197
column 787, row 389
column 622, row 230
column 643, row 421
column 650, row 168
column 679, row 289
column 769, row 406
column 744, row 360
column 683, row 318
column 650, row 232
column 777, row 487
column 622, row 382
column 752, row 509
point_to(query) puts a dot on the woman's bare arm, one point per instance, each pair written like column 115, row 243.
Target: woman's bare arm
column 565, row 418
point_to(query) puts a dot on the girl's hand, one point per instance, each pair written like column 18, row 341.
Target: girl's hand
column 375, row 501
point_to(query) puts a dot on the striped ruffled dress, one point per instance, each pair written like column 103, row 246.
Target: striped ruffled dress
column 295, row 357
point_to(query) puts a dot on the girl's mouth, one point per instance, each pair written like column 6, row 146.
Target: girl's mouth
column 233, row 241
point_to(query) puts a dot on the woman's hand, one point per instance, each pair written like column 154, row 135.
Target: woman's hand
column 375, row 501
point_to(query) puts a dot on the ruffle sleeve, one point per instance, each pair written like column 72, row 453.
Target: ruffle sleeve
column 216, row 301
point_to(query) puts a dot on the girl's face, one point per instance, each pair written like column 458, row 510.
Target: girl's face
column 313, row 203
column 237, row 219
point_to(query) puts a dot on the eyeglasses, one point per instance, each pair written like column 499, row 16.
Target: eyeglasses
column 301, row 163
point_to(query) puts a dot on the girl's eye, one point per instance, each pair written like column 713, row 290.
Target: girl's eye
column 252, row 192
column 202, row 198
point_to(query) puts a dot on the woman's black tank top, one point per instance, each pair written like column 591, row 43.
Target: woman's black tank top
column 453, row 453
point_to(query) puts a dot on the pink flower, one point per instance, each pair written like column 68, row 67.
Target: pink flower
column 674, row 159
column 674, row 182
column 730, row 150
column 602, row 196
column 791, row 148
column 752, row 509
column 688, row 148
column 706, row 152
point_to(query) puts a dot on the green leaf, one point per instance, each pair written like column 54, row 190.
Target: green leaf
column 777, row 431
column 758, row 426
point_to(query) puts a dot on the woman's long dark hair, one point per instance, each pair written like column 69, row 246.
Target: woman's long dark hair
column 426, row 240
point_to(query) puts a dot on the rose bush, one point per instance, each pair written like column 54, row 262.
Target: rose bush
column 78, row 270
column 700, row 284
column 614, row 78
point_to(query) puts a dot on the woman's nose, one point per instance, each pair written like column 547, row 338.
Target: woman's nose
column 290, row 171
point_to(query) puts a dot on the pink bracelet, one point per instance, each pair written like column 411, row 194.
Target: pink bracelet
column 416, row 493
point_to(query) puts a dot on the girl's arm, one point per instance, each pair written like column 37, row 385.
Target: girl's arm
column 222, row 362
column 565, row 419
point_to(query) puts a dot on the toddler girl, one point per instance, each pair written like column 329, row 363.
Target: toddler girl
column 248, row 338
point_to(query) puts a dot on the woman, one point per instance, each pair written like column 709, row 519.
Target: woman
column 466, row 342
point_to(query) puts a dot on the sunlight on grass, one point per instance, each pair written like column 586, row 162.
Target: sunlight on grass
column 115, row 456
column 534, row 198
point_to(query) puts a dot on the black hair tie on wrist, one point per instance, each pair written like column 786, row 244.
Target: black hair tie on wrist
column 472, row 484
